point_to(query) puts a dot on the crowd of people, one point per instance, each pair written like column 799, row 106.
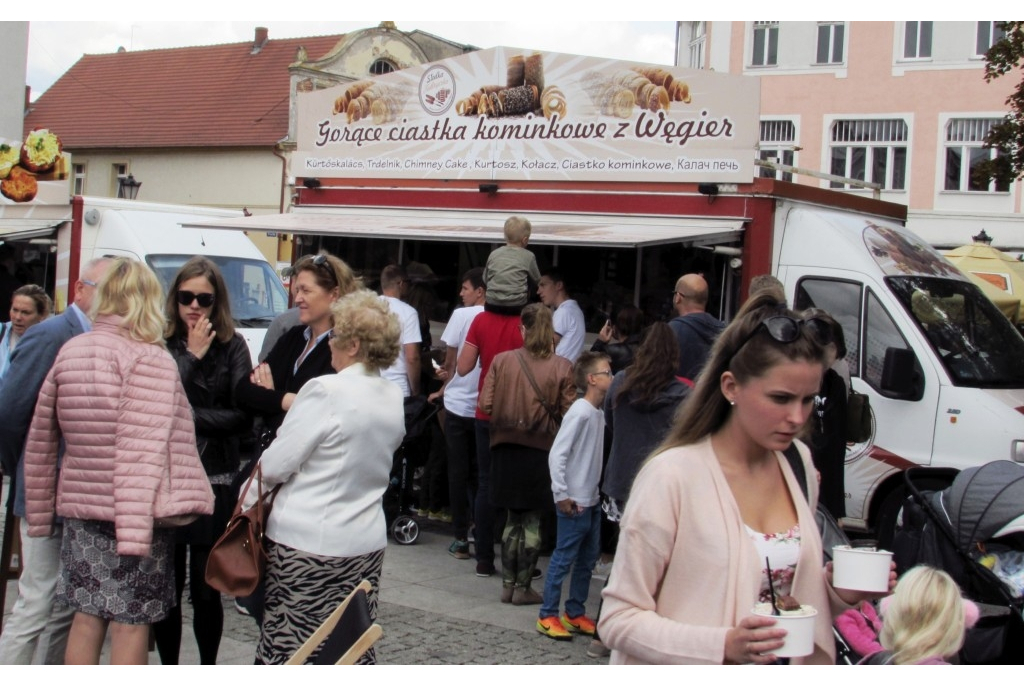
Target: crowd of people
column 660, row 449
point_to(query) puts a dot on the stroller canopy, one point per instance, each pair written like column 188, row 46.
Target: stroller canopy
column 983, row 500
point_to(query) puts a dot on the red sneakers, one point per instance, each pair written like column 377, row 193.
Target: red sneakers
column 553, row 628
column 580, row 624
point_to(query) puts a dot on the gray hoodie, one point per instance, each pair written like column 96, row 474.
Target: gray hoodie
column 636, row 431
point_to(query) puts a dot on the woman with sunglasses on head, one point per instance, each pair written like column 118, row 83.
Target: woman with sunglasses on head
column 718, row 498
column 302, row 352
column 212, row 360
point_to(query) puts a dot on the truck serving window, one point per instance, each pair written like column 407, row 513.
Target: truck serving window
column 257, row 295
column 976, row 343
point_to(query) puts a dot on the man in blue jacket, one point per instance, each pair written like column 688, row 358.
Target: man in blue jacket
column 695, row 329
column 35, row 613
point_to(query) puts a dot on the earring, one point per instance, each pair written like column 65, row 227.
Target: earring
column 731, row 403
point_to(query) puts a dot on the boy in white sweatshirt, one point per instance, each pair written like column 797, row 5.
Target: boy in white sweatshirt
column 575, row 465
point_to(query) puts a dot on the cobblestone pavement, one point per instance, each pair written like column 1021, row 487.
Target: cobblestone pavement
column 433, row 609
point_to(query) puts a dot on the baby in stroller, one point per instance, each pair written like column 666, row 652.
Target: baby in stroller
column 924, row 620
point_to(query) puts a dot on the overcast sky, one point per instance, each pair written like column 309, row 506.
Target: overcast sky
column 55, row 46
column 95, row 27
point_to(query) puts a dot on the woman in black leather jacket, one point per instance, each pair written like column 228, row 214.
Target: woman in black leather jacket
column 212, row 359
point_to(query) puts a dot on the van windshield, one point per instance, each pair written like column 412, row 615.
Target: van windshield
column 977, row 344
column 257, row 295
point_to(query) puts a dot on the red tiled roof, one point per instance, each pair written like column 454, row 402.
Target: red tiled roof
column 216, row 95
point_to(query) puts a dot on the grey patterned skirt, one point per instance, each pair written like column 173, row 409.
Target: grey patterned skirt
column 96, row 580
column 302, row 591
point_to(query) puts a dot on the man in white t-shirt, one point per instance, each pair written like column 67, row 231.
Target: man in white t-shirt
column 460, row 395
column 570, row 326
column 406, row 369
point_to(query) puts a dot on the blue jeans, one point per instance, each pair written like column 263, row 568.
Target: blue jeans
column 578, row 546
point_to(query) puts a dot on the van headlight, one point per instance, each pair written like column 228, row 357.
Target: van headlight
column 1017, row 450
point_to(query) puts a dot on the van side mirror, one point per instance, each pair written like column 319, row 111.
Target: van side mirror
column 901, row 375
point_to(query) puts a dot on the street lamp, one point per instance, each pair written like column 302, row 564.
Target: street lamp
column 982, row 238
column 128, row 187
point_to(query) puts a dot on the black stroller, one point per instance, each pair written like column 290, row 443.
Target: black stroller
column 403, row 527
column 963, row 530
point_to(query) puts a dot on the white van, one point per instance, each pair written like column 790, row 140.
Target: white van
column 943, row 368
column 153, row 233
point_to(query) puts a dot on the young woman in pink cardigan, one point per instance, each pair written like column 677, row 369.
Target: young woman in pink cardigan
column 718, row 497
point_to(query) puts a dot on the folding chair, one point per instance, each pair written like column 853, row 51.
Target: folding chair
column 346, row 635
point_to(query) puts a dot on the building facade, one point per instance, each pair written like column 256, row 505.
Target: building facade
column 210, row 125
column 902, row 104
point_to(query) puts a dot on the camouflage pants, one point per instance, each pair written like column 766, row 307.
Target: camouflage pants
column 520, row 547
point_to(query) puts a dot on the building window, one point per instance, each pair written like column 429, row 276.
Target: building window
column 698, row 33
column 964, row 151
column 766, row 44
column 120, row 172
column 830, row 42
column 917, row 40
column 79, row 179
column 873, row 150
column 989, row 33
column 778, row 139
column 381, row 66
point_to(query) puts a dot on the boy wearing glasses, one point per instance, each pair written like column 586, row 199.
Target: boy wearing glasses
column 575, row 465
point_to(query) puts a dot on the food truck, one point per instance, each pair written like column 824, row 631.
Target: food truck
column 631, row 176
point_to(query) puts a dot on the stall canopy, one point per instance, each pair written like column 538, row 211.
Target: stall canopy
column 1000, row 276
column 583, row 230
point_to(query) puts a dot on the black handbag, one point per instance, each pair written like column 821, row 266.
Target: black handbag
column 858, row 417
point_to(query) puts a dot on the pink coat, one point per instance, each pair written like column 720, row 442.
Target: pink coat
column 130, row 452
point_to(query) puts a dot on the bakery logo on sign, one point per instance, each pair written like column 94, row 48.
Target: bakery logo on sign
column 437, row 90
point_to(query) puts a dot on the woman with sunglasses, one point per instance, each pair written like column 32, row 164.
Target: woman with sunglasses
column 302, row 352
column 212, row 360
column 719, row 498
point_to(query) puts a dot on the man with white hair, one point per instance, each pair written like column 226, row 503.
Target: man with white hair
column 35, row 612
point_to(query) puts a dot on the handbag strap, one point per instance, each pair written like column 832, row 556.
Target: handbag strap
column 536, row 389
column 257, row 473
column 792, row 455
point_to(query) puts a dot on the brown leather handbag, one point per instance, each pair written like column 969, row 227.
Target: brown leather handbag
column 236, row 561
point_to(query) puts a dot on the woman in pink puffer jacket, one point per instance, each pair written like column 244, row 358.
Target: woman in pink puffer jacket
column 130, row 464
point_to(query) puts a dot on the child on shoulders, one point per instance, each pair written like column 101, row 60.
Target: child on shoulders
column 511, row 271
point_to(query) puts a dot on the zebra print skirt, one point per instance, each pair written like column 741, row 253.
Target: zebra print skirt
column 302, row 591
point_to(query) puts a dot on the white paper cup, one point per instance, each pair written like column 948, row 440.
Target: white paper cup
column 799, row 640
column 860, row 569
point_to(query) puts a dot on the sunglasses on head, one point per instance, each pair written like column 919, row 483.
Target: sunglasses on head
column 185, row 298
column 786, row 329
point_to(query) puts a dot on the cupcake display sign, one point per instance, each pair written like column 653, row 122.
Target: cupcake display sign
column 26, row 164
column 509, row 113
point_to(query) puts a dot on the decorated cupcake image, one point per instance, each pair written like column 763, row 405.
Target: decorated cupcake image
column 41, row 150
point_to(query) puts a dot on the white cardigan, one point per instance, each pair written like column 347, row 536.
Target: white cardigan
column 334, row 453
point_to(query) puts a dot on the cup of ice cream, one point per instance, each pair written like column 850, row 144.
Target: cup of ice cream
column 798, row 624
column 863, row 569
